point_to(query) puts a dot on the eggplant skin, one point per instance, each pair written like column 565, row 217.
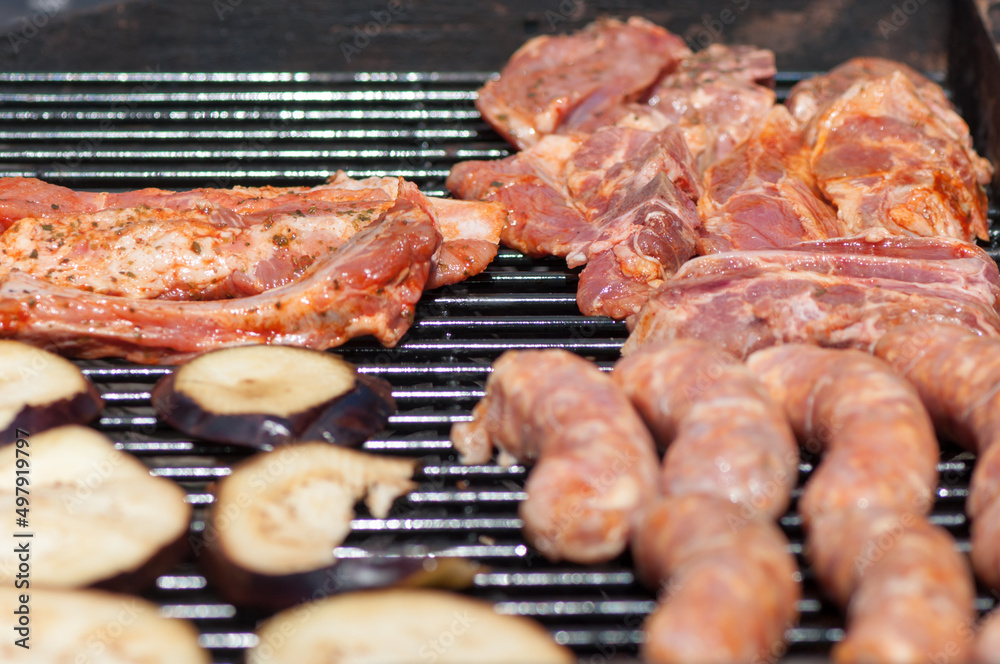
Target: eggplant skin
column 354, row 417
column 348, row 419
column 273, row 592
column 81, row 408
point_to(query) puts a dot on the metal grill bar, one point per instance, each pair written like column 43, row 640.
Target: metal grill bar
column 176, row 130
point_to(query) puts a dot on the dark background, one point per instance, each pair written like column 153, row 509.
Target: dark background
column 428, row 35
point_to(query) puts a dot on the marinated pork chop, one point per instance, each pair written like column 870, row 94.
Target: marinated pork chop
column 887, row 159
column 369, row 286
column 620, row 200
column 764, row 196
column 211, row 244
column 717, row 97
column 843, row 292
column 562, row 83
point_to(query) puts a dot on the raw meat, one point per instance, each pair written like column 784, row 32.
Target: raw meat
column 594, row 462
column 620, row 200
column 844, row 292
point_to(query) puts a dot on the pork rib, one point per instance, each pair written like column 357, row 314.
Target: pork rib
column 594, row 462
column 620, row 200
column 844, row 292
column 909, row 593
column 215, row 243
column 369, row 286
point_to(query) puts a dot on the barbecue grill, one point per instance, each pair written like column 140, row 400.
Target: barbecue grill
column 179, row 130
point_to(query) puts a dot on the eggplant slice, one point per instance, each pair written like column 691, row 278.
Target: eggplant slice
column 40, row 390
column 403, row 626
column 271, row 535
column 95, row 514
column 263, row 396
column 95, row 627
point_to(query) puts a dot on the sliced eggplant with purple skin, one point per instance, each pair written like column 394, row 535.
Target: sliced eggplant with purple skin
column 271, row 535
column 403, row 626
column 40, row 390
column 95, row 627
column 264, row 396
column 96, row 514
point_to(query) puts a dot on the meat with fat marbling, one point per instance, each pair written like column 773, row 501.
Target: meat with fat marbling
column 215, row 243
column 717, row 97
column 886, row 158
column 560, row 84
column 620, row 201
column 843, row 292
column 763, row 195
column 369, row 286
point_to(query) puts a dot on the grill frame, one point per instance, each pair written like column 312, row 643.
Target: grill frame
column 93, row 128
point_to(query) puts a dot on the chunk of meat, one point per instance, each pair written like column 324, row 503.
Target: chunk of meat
column 562, row 83
column 809, row 97
column 957, row 374
column 212, row 244
column 844, row 292
column 763, row 195
column 369, row 286
column 729, row 585
column 723, row 435
column 887, row 159
column 717, row 97
column 909, row 593
column 620, row 200
column 594, row 462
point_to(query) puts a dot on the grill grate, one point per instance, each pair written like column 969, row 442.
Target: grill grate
column 124, row 131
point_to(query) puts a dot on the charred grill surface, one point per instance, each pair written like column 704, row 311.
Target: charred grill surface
column 175, row 131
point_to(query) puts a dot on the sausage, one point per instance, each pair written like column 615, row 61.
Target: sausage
column 730, row 585
column 723, row 434
column 595, row 462
column 909, row 593
column 879, row 443
column 957, row 374
column 986, row 646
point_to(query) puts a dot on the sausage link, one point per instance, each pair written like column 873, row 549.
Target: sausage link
column 909, row 593
column 730, row 586
column 879, row 443
column 594, row 460
column 986, row 647
column 957, row 374
column 723, row 434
